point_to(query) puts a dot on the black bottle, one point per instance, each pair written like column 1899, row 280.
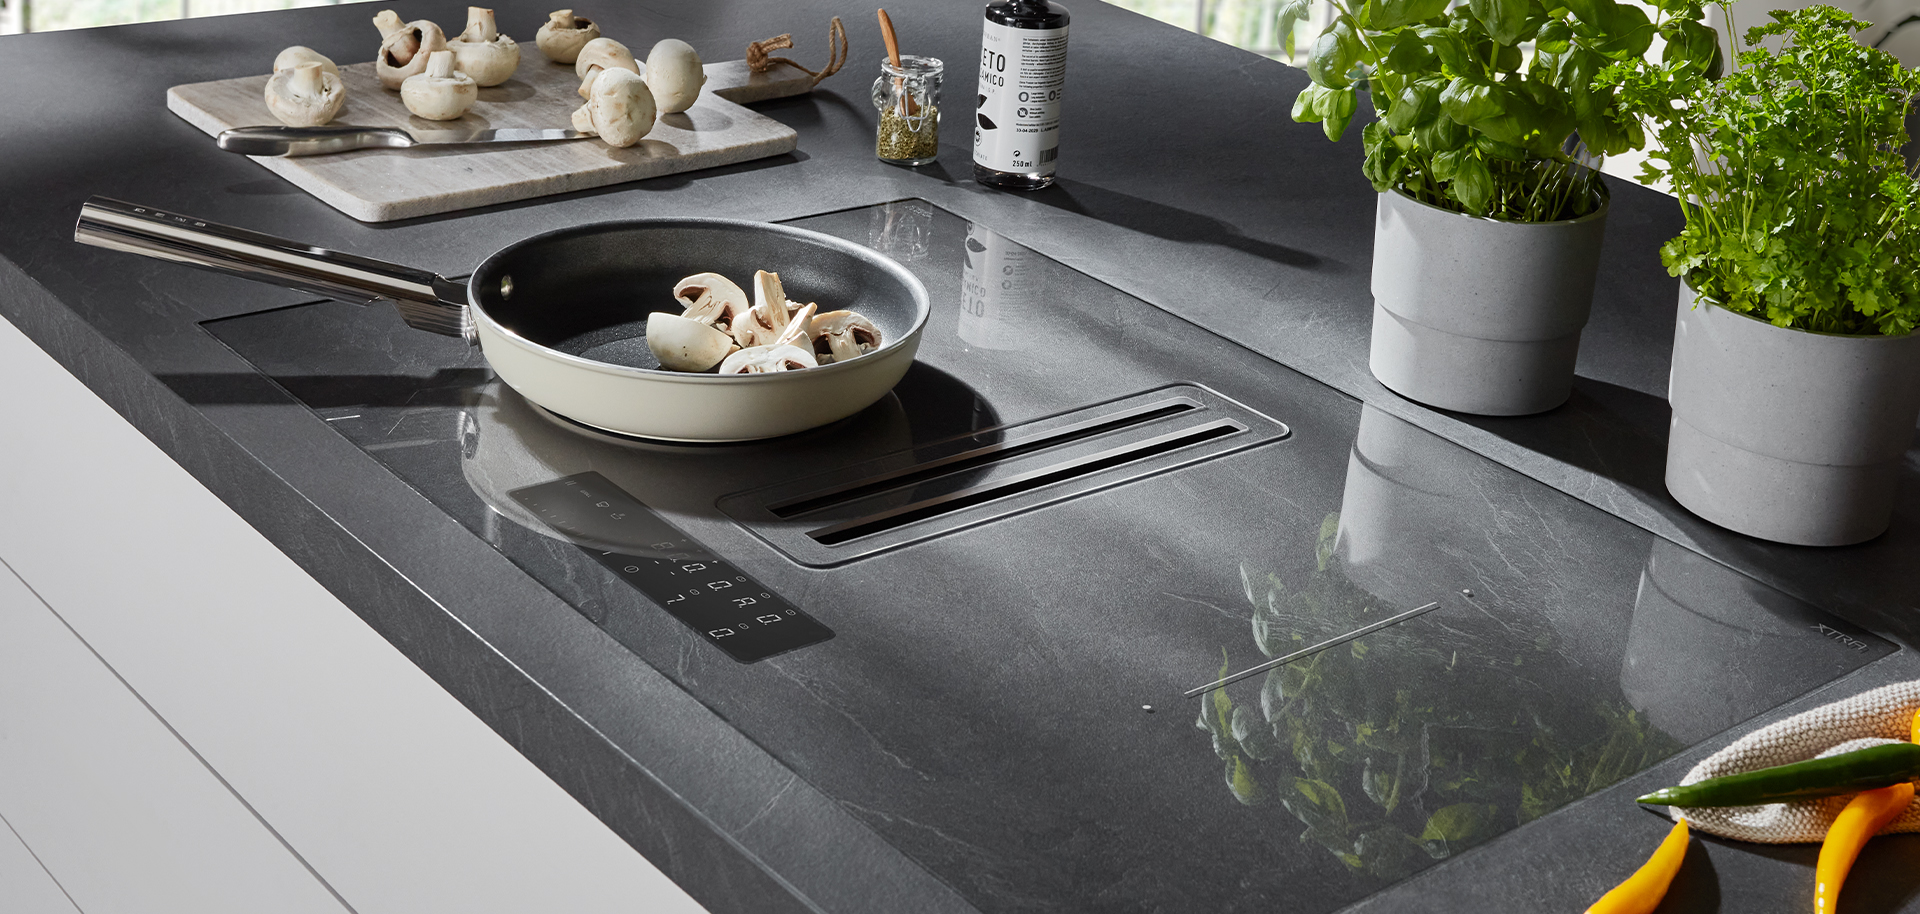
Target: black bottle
column 1023, row 73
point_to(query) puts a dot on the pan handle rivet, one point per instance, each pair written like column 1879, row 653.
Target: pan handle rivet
column 506, row 287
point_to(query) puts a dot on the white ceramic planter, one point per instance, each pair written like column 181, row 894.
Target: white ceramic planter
column 1478, row 315
column 1787, row 435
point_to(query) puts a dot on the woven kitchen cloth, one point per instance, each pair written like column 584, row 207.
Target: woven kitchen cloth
column 1884, row 715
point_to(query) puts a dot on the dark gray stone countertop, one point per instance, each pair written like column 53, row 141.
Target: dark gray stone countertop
column 1183, row 183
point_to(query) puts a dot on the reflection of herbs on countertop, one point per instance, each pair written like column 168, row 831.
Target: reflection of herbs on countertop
column 1410, row 744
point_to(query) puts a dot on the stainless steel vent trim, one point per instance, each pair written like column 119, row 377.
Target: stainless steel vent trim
column 1062, row 471
column 982, row 456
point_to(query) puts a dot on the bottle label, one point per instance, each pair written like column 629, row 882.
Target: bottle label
column 1022, row 75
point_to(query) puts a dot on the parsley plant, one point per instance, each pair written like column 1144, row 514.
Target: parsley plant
column 1800, row 207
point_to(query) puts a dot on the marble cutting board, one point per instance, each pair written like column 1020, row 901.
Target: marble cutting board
column 381, row 185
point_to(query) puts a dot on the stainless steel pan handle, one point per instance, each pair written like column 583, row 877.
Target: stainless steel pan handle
column 426, row 300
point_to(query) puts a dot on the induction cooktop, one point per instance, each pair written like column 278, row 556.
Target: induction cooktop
column 974, row 613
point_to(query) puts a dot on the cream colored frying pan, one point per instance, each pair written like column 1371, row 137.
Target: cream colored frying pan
column 561, row 316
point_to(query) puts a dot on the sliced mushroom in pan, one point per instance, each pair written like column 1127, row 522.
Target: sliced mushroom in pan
column 711, row 299
column 766, row 359
column 842, row 335
column 686, row 345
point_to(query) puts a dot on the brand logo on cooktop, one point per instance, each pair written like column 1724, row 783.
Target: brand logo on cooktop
column 1841, row 637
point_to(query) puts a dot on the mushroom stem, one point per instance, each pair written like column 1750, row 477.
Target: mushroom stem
column 440, row 65
column 797, row 328
column 480, row 25
column 388, row 22
column 308, row 79
column 560, row 19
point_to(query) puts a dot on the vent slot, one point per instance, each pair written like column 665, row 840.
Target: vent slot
column 980, row 457
column 937, row 488
column 1024, row 482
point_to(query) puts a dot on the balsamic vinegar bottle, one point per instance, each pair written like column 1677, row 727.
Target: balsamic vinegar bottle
column 1023, row 70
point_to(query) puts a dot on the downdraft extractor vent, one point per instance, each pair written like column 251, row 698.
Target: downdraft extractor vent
column 936, row 489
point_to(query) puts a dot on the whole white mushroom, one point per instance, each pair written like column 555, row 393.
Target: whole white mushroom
column 619, row 107
column 564, row 35
column 482, row 52
column 404, row 47
column 606, row 54
column 675, row 75
column 442, row 93
column 305, row 95
column 298, row 54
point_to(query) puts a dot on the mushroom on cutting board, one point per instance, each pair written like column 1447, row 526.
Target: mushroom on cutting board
column 298, row 54
column 675, row 75
column 442, row 93
column 482, row 52
column 404, row 47
column 711, row 299
column 305, row 95
column 564, row 35
column 605, row 53
column 686, row 345
column 619, row 107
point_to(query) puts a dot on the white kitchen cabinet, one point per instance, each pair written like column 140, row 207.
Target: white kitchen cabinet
column 188, row 722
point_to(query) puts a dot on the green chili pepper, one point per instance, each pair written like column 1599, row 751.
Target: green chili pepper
column 1848, row 772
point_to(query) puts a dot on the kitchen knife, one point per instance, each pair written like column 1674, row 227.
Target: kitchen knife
column 312, row 141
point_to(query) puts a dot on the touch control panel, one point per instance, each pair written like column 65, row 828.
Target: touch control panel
column 705, row 592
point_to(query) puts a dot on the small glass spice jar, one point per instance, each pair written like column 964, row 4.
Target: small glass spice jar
column 908, row 97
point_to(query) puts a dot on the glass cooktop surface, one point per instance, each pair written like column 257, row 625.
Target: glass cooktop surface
column 1074, row 513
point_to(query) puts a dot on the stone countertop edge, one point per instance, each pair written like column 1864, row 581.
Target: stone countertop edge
column 716, row 813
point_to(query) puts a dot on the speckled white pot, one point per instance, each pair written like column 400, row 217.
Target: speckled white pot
column 1478, row 315
column 1788, row 435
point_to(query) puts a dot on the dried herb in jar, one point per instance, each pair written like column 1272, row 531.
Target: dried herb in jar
column 908, row 137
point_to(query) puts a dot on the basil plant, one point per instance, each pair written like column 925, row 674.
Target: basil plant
column 1491, row 107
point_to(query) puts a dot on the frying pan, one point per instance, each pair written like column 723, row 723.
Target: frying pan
column 561, row 316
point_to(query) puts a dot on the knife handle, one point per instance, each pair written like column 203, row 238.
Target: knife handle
column 310, row 141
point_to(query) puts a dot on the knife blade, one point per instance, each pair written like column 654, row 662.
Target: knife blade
column 308, row 141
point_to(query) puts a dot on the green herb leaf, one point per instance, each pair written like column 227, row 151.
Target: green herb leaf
column 1472, row 185
column 1444, row 134
column 1336, row 109
column 1450, row 48
column 1505, row 20
column 1554, row 37
column 1334, row 54
column 1629, row 32
column 1469, row 102
column 1393, row 14
column 1417, row 106
column 1292, row 13
column 1689, row 44
column 1306, row 105
column 1409, row 54
column 1596, row 15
